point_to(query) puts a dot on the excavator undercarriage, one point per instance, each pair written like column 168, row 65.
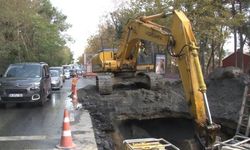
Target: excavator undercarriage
column 149, row 80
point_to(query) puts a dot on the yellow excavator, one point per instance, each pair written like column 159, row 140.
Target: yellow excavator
column 181, row 43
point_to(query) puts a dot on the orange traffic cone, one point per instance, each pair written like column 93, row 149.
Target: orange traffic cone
column 66, row 139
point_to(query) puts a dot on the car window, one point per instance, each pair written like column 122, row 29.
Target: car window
column 23, row 71
column 54, row 73
column 58, row 69
column 44, row 72
column 47, row 70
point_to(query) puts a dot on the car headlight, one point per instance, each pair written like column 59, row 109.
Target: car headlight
column 35, row 86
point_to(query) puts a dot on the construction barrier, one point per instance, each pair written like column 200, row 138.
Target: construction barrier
column 66, row 138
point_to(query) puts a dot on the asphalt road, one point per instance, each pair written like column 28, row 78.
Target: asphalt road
column 32, row 127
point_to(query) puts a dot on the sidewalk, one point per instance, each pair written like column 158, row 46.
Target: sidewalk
column 82, row 131
column 81, row 124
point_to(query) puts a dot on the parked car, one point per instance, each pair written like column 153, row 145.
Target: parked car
column 67, row 74
column 56, row 80
column 25, row 82
column 61, row 71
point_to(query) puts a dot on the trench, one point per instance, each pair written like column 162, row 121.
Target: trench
column 178, row 131
column 130, row 103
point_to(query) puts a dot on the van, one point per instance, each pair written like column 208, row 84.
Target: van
column 25, row 83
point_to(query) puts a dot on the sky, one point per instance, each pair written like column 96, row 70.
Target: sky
column 84, row 16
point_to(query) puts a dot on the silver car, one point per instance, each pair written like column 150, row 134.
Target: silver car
column 67, row 74
column 56, row 82
column 61, row 71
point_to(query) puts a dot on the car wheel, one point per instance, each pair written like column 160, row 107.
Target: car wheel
column 49, row 96
column 42, row 99
column 18, row 104
column 2, row 105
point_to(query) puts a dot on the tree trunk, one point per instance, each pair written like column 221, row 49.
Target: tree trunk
column 210, row 57
column 235, row 33
column 242, row 42
column 203, row 44
column 221, row 50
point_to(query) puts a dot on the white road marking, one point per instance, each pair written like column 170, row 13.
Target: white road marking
column 28, row 138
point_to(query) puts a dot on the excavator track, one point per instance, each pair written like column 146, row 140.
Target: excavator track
column 152, row 80
column 104, row 83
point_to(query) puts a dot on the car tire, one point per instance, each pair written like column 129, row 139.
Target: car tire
column 2, row 105
column 18, row 105
column 42, row 99
column 49, row 96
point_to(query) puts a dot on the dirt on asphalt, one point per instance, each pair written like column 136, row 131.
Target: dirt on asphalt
column 224, row 93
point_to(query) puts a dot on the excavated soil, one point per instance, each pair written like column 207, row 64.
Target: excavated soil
column 129, row 103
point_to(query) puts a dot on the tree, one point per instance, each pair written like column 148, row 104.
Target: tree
column 212, row 23
column 31, row 31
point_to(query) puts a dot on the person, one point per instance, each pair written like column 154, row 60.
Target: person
column 160, row 69
column 73, row 84
column 74, row 92
column 142, row 53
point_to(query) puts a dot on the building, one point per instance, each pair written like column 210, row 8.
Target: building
column 231, row 61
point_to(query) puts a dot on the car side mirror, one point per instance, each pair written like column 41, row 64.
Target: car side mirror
column 1, row 75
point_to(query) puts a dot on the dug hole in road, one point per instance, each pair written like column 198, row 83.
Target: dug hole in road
column 130, row 112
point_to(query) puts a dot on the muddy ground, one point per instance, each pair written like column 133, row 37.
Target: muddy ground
column 130, row 103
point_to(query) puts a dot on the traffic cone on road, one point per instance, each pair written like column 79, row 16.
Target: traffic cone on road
column 66, row 138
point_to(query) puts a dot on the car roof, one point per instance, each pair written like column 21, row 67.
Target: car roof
column 30, row 63
column 55, row 68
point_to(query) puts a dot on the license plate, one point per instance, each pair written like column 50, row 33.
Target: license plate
column 15, row 95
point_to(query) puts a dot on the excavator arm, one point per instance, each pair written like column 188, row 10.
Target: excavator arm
column 186, row 51
column 135, row 31
column 182, row 44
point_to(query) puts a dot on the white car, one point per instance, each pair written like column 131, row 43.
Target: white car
column 56, row 81
column 67, row 74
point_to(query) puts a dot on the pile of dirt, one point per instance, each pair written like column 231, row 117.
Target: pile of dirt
column 224, row 95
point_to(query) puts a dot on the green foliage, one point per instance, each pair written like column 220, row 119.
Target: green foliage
column 32, row 31
column 212, row 21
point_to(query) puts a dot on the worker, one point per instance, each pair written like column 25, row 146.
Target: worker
column 74, row 96
column 73, row 84
column 142, row 53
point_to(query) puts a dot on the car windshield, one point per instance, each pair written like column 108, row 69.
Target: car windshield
column 54, row 73
column 23, row 71
column 57, row 69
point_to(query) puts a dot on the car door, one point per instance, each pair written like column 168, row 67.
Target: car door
column 47, row 80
